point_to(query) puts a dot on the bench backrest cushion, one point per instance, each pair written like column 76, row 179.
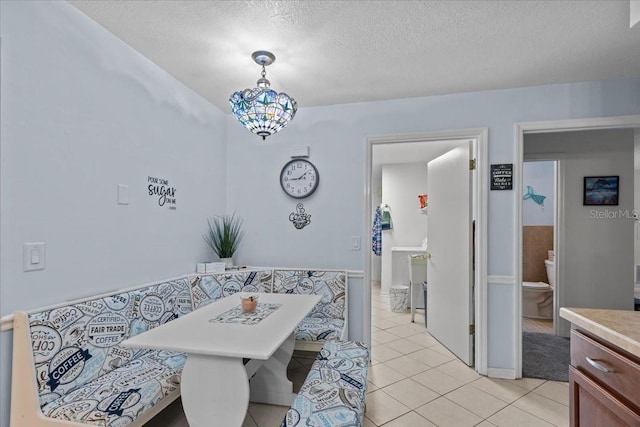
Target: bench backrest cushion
column 75, row 344
column 331, row 285
column 209, row 288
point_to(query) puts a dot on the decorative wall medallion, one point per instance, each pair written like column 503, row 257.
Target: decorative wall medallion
column 299, row 218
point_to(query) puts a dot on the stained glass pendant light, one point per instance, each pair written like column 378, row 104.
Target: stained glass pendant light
column 262, row 110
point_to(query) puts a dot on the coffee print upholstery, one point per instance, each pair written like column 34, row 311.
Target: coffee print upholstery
column 333, row 394
column 118, row 397
column 72, row 369
column 76, row 351
column 327, row 319
column 210, row 288
column 317, row 329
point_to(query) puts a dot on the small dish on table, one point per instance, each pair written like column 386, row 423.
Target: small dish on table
column 249, row 302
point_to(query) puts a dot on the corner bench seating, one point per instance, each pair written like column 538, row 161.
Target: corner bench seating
column 327, row 320
column 333, row 394
column 69, row 369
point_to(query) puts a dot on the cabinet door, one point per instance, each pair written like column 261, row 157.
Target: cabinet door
column 593, row 406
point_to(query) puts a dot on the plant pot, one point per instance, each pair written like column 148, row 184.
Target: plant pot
column 228, row 263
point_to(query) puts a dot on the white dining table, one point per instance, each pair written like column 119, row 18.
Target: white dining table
column 216, row 383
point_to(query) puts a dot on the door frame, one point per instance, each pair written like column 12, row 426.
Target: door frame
column 592, row 123
column 480, row 153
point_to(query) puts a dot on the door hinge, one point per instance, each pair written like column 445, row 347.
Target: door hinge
column 472, row 164
column 472, row 329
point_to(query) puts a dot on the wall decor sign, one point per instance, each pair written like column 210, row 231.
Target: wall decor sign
column 601, row 190
column 502, row 176
column 160, row 188
column 300, row 218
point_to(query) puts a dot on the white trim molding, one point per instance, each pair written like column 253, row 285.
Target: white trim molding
column 6, row 323
column 507, row 374
column 356, row 274
column 501, row 280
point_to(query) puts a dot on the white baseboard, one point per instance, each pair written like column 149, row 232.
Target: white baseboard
column 507, row 374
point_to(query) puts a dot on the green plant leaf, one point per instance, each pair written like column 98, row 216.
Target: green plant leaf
column 224, row 235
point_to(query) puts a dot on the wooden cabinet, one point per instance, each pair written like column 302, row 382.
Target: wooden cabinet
column 604, row 383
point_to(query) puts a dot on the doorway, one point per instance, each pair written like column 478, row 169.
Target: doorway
column 479, row 136
column 539, row 231
column 570, row 193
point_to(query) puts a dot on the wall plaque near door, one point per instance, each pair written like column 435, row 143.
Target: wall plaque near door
column 502, row 176
column 601, row 190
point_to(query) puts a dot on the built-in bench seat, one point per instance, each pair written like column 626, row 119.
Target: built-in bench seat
column 333, row 394
column 69, row 369
column 328, row 319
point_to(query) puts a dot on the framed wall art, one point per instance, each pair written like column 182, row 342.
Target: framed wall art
column 601, row 190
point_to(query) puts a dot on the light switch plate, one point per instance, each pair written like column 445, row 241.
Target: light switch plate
column 123, row 194
column 34, row 256
column 355, row 243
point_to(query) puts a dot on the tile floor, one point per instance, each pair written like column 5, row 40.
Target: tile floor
column 415, row 381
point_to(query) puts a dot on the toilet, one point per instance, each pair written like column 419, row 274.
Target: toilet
column 537, row 297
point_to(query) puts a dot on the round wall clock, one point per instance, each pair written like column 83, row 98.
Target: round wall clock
column 299, row 178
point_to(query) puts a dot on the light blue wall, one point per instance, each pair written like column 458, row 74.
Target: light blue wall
column 336, row 137
column 541, row 177
column 80, row 113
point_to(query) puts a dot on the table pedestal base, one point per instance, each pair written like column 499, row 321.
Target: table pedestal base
column 270, row 384
column 214, row 388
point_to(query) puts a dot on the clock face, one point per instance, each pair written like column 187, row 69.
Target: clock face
column 299, row 178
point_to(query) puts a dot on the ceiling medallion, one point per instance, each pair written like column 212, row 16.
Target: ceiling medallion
column 262, row 110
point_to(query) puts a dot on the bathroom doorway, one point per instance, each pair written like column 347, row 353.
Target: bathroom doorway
column 594, row 244
column 544, row 354
column 539, row 224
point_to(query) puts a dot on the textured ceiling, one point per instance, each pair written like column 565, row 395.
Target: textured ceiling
column 334, row 52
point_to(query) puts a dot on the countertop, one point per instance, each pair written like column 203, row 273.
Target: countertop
column 619, row 327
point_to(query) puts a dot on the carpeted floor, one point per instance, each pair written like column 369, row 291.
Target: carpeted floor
column 545, row 356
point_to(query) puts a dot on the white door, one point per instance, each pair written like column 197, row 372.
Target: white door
column 449, row 273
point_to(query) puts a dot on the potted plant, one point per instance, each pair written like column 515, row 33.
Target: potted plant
column 224, row 236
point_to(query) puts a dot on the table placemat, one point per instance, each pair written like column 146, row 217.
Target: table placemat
column 236, row 315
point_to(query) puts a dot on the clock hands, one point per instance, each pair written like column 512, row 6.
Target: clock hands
column 300, row 177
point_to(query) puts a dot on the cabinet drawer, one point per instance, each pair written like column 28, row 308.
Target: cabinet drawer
column 593, row 406
column 612, row 370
